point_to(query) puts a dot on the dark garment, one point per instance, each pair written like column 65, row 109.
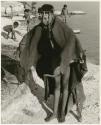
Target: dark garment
column 28, row 49
column 48, row 61
column 8, row 28
column 65, row 39
column 75, row 75
column 77, row 72
column 75, row 89
column 38, row 52
column 2, row 73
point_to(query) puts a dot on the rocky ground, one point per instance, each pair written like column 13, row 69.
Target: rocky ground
column 19, row 106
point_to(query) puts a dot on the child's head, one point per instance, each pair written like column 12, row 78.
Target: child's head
column 15, row 24
column 26, row 12
column 65, row 6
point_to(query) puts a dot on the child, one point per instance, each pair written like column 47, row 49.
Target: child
column 10, row 29
column 27, row 18
column 64, row 13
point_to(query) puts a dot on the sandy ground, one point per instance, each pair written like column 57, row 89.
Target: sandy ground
column 25, row 107
column 19, row 106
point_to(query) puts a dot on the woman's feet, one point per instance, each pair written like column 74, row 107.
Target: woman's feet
column 50, row 117
column 62, row 118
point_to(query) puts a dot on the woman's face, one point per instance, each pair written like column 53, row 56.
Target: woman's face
column 46, row 17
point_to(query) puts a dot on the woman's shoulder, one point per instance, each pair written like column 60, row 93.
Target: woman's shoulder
column 38, row 27
column 62, row 24
column 35, row 29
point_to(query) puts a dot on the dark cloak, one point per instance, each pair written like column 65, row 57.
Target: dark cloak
column 70, row 50
column 64, row 37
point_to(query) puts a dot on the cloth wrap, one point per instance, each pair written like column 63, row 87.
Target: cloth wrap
column 70, row 51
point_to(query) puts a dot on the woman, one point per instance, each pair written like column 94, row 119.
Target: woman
column 52, row 49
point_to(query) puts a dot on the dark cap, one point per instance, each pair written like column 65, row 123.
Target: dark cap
column 65, row 5
column 16, row 23
column 27, row 10
column 46, row 8
column 39, row 10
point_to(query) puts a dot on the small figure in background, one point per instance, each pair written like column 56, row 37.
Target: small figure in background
column 40, row 14
column 5, row 11
column 33, row 9
column 34, row 13
column 27, row 18
column 11, row 29
column 64, row 13
column 11, row 11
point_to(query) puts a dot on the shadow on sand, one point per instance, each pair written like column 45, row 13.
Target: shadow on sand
column 9, row 64
column 39, row 92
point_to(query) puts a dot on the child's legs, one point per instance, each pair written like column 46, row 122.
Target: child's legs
column 13, row 34
column 65, row 19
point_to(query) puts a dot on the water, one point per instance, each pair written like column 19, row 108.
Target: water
column 88, row 24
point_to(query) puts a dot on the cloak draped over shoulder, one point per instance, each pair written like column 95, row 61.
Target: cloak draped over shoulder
column 29, row 54
column 71, row 50
column 63, row 36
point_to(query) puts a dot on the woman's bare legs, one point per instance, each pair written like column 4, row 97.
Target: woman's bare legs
column 65, row 93
column 56, row 96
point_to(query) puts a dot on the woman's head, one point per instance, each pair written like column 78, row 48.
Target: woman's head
column 47, row 13
column 65, row 6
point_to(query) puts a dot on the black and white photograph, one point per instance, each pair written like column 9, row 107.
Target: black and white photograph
column 50, row 62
